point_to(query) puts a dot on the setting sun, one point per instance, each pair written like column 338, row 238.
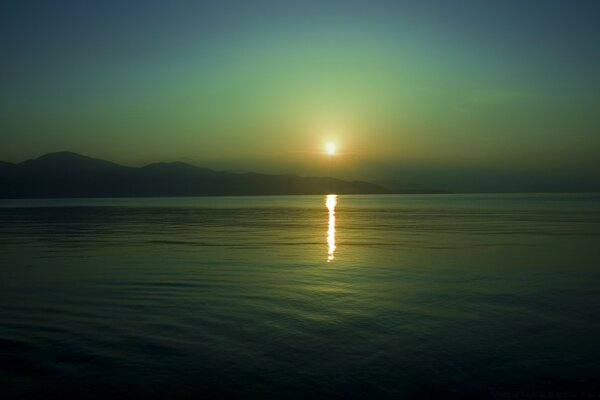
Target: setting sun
column 330, row 148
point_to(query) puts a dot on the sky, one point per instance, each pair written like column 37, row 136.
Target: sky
column 457, row 95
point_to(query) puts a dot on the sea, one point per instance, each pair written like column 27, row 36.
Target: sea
column 301, row 297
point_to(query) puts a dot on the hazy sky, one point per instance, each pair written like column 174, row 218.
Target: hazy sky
column 463, row 95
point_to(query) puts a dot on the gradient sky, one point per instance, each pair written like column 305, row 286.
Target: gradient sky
column 458, row 95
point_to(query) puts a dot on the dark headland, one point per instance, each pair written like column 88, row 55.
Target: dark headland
column 66, row 174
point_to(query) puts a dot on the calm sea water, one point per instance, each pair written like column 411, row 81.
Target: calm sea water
column 440, row 296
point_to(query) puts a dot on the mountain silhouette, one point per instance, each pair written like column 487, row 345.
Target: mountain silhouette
column 66, row 174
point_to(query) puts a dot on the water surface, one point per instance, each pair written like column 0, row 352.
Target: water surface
column 408, row 296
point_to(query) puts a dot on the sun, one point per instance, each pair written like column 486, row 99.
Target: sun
column 330, row 148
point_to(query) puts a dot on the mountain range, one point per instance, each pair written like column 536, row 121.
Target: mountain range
column 67, row 174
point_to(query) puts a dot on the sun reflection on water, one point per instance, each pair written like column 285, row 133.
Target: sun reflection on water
column 331, row 203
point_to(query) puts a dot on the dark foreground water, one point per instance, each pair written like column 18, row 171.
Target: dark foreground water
column 407, row 297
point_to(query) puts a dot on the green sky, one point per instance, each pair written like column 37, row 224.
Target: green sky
column 464, row 95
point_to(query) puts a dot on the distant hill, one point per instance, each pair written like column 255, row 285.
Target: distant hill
column 67, row 174
column 4, row 164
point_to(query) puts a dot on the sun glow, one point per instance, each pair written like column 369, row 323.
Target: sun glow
column 330, row 148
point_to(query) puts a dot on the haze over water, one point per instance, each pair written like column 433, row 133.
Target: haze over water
column 403, row 296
